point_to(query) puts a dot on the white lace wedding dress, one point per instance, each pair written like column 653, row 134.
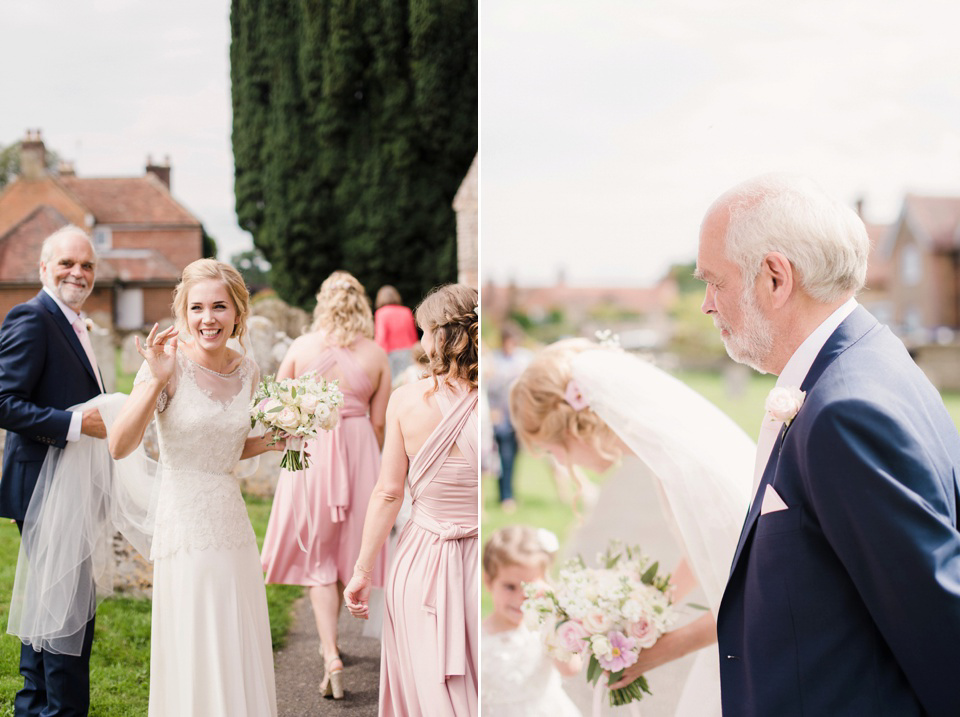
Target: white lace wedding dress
column 211, row 653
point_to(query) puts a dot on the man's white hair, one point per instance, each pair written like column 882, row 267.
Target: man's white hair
column 46, row 249
column 824, row 240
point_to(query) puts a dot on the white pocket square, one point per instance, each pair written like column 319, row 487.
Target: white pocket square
column 772, row 502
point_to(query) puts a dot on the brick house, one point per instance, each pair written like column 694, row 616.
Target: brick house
column 143, row 236
column 923, row 250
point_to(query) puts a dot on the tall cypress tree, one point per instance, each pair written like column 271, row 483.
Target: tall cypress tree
column 353, row 126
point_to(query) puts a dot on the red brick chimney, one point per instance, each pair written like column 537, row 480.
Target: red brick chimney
column 160, row 171
column 33, row 163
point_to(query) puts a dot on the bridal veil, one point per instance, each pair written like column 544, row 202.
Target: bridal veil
column 702, row 460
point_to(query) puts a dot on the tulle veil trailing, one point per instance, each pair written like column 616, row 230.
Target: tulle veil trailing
column 66, row 563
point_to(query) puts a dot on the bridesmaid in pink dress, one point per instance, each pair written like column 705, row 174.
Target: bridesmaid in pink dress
column 430, row 632
column 344, row 464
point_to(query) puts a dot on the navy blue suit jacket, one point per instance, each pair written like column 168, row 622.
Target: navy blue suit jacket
column 848, row 602
column 43, row 371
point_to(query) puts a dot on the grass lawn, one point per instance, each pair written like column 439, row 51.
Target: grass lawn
column 538, row 502
column 120, row 663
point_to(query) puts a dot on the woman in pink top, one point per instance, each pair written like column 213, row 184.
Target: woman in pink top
column 344, row 463
column 394, row 329
column 430, row 630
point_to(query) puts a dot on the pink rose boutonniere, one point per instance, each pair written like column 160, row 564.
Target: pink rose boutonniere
column 784, row 402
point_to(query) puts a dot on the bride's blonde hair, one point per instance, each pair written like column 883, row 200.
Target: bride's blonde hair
column 539, row 409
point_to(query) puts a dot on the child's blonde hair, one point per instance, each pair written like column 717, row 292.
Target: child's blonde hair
column 539, row 409
column 515, row 545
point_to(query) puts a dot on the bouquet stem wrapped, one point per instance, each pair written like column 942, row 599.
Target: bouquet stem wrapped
column 296, row 409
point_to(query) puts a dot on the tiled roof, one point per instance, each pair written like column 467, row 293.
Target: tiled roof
column 133, row 265
column 938, row 218
column 128, row 200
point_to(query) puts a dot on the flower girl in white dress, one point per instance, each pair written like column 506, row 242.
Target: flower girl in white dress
column 518, row 678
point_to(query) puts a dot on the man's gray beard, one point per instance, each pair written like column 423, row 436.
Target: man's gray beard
column 57, row 290
column 754, row 342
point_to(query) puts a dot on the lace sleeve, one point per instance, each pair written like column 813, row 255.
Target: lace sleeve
column 166, row 394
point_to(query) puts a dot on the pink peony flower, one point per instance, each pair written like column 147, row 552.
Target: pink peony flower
column 644, row 631
column 623, row 652
column 572, row 636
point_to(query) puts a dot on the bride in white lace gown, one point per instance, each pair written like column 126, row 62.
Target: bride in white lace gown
column 591, row 405
column 211, row 652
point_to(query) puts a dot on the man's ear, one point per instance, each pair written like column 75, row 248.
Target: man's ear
column 777, row 278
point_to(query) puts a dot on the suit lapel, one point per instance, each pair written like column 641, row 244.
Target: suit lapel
column 61, row 321
column 851, row 330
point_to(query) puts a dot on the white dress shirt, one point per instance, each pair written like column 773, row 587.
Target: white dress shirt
column 793, row 375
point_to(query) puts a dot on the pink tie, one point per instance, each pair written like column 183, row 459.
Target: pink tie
column 81, row 329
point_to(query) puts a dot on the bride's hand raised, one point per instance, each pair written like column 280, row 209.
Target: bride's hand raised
column 160, row 352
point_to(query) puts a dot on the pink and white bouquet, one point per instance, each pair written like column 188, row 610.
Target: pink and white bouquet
column 607, row 615
column 296, row 409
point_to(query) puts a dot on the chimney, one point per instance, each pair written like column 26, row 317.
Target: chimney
column 66, row 169
column 160, row 171
column 33, row 156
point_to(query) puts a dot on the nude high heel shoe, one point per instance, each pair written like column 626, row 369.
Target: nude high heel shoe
column 332, row 683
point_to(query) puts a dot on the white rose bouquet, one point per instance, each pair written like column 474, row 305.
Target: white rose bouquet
column 296, row 409
column 606, row 615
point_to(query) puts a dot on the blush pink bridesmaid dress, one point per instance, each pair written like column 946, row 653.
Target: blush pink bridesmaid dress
column 429, row 664
column 335, row 489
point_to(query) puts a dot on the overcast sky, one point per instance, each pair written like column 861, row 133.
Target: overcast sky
column 111, row 81
column 608, row 127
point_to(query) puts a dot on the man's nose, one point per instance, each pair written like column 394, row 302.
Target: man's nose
column 708, row 306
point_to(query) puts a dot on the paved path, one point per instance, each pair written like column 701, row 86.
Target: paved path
column 299, row 669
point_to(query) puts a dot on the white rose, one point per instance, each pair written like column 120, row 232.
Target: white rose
column 309, row 403
column 287, row 420
column 600, row 645
column 596, row 621
column 783, row 403
column 321, row 411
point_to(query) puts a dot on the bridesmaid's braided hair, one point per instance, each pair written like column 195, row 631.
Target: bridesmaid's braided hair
column 343, row 309
column 540, row 412
column 450, row 313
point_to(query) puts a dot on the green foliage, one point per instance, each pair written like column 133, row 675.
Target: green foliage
column 353, row 126
column 209, row 245
column 694, row 336
column 10, row 162
column 253, row 267
column 683, row 275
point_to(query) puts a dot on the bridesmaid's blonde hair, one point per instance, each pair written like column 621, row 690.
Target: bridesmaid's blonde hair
column 203, row 270
column 450, row 313
column 343, row 309
column 539, row 410
column 514, row 545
